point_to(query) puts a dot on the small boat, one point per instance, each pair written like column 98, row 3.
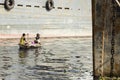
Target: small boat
column 30, row 46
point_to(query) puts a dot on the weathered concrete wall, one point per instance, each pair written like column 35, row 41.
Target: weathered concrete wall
column 103, row 20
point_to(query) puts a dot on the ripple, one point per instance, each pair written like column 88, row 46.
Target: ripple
column 57, row 59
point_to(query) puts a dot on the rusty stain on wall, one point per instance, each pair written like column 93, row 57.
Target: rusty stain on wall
column 105, row 13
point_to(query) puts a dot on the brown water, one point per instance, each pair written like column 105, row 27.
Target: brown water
column 57, row 59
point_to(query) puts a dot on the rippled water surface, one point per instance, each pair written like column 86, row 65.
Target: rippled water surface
column 57, row 59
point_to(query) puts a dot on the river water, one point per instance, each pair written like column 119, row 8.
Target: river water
column 56, row 59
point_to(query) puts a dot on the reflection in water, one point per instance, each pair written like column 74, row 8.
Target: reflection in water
column 22, row 55
column 42, row 71
column 63, row 59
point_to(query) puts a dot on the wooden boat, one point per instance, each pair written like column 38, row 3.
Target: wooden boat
column 30, row 46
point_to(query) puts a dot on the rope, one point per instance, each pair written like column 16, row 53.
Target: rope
column 118, row 2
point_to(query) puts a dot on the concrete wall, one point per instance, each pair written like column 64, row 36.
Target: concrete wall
column 103, row 19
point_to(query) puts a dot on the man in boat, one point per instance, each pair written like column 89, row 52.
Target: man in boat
column 37, row 38
column 23, row 41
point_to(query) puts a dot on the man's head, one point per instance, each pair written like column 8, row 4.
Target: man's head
column 23, row 34
column 38, row 34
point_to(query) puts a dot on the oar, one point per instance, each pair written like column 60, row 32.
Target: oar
column 28, row 38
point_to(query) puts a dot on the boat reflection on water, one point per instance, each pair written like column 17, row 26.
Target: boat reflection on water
column 23, row 54
column 39, row 68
